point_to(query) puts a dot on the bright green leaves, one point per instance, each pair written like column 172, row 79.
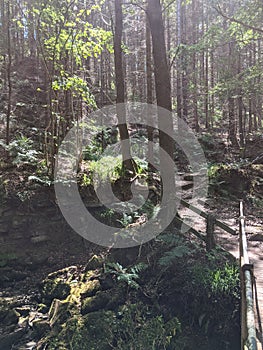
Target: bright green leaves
column 66, row 32
column 76, row 85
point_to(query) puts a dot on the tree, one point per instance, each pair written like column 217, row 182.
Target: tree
column 120, row 107
column 161, row 73
column 163, row 96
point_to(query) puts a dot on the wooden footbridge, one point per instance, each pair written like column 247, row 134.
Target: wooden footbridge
column 251, row 276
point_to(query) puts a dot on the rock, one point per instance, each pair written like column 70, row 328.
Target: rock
column 99, row 329
column 95, row 262
column 90, row 288
column 11, row 317
column 118, row 297
column 8, row 340
column 98, row 302
column 59, row 312
column 54, row 289
column 41, row 327
column 39, row 239
column 8, row 313
column 43, row 308
column 65, row 273
column 23, row 310
column 107, row 282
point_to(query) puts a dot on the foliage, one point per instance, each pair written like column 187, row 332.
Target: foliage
column 217, row 295
column 77, row 86
column 127, row 275
column 23, row 151
column 177, row 248
column 133, row 326
column 106, row 168
column 140, row 330
column 101, row 139
column 171, row 256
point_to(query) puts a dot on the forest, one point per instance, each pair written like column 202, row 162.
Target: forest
column 130, row 132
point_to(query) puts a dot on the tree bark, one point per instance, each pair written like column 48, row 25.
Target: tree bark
column 8, row 71
column 161, row 72
column 120, row 87
column 163, row 96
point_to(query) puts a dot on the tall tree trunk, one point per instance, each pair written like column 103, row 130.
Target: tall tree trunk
column 161, row 72
column 212, row 81
column 194, row 65
column 206, row 109
column 179, row 60
column 120, row 87
column 184, row 66
column 240, row 110
column 163, row 96
column 8, row 71
column 149, row 97
column 232, row 122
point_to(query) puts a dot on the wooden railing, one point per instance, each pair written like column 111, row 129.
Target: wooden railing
column 248, row 329
column 211, row 222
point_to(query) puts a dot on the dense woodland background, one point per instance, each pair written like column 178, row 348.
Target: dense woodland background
column 59, row 55
column 59, row 62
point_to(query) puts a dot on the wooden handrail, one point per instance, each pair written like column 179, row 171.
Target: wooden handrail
column 248, row 330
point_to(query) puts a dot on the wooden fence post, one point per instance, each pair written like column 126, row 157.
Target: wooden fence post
column 210, row 228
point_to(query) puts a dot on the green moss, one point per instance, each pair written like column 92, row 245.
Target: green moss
column 90, row 288
column 60, row 311
column 99, row 301
column 54, row 288
column 95, row 262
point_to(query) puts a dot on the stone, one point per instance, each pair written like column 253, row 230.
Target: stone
column 11, row 317
column 54, row 289
column 41, row 327
column 8, row 340
column 23, row 310
column 95, row 262
column 98, row 302
column 90, row 288
column 39, row 239
column 43, row 308
column 59, row 312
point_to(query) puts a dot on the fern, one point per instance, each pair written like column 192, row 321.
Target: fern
column 127, row 275
column 177, row 252
column 171, row 239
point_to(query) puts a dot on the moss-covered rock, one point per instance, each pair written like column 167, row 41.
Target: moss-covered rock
column 90, row 288
column 8, row 314
column 60, row 311
column 54, row 289
column 95, row 262
column 95, row 303
column 41, row 327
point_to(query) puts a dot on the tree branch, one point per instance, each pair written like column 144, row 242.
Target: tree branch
column 232, row 19
column 168, row 5
column 134, row 4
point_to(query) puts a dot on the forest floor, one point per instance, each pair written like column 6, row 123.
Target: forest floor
column 74, row 253
column 49, row 256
